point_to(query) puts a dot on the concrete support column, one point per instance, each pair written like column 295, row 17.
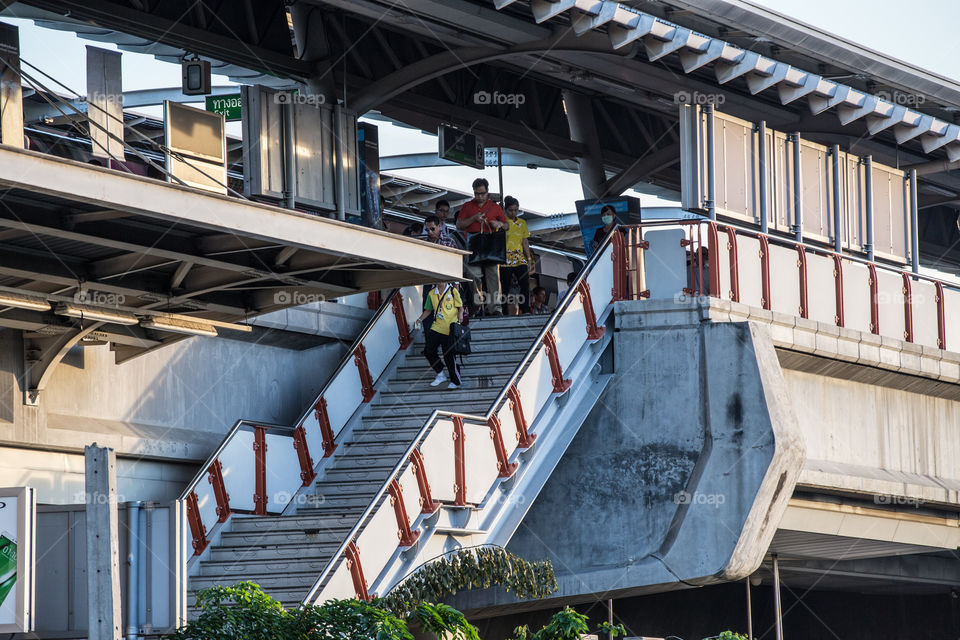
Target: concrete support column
column 583, row 129
column 103, row 552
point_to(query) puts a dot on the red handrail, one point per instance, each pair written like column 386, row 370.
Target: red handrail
column 593, row 331
column 838, row 289
column 765, row 300
column 907, row 309
column 260, row 471
column 525, row 439
column 550, row 344
column 199, row 531
column 459, row 463
column 407, row 536
column 326, row 432
column 403, row 329
column 504, row 466
column 307, row 473
column 356, row 572
column 874, row 300
column 219, row 491
column 802, row 268
column 941, row 318
column 427, row 503
column 366, row 380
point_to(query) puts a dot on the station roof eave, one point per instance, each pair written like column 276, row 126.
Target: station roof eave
column 145, row 246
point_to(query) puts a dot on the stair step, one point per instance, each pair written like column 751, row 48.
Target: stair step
column 347, row 488
column 381, row 431
column 239, row 568
column 430, row 395
column 262, row 539
column 270, row 582
column 292, row 522
column 375, row 448
column 372, row 460
column 254, row 552
column 351, row 474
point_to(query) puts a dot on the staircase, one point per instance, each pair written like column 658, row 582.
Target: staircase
column 285, row 554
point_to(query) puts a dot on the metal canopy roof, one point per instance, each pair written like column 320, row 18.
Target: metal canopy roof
column 72, row 233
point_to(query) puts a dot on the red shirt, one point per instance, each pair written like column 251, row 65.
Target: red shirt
column 491, row 208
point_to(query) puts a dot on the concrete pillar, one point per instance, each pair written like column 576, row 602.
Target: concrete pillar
column 583, row 129
column 105, row 103
column 103, row 552
column 311, row 39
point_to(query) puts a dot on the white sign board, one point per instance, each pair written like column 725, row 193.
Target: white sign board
column 17, row 558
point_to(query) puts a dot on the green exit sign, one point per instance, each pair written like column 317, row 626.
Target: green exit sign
column 226, row 105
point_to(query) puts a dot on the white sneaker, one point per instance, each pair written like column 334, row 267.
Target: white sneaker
column 440, row 379
column 453, row 385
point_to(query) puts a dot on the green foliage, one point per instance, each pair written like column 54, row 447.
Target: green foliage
column 444, row 621
column 567, row 624
column 245, row 612
column 730, row 635
column 477, row 568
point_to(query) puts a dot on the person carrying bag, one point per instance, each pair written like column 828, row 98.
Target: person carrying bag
column 446, row 307
column 484, row 222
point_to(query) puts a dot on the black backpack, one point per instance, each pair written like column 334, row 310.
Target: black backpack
column 460, row 339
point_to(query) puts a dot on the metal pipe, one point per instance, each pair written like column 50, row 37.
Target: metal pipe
column 711, row 166
column 610, row 616
column 837, row 236
column 776, row 597
column 762, row 159
column 500, row 172
column 749, row 610
column 289, row 157
column 868, row 203
column 133, row 570
column 339, row 180
column 914, row 213
column 797, row 189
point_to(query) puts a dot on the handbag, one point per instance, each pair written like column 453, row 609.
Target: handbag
column 459, row 339
column 488, row 248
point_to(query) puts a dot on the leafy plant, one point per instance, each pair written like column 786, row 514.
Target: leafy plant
column 477, row 568
column 730, row 635
column 444, row 621
column 567, row 624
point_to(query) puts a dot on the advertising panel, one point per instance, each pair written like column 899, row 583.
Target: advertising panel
column 17, row 558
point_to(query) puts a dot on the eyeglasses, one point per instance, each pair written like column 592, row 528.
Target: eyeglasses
column 479, row 193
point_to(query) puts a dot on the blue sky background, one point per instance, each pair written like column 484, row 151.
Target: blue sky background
column 921, row 33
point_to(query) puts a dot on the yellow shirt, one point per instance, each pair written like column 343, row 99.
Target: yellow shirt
column 445, row 311
column 517, row 232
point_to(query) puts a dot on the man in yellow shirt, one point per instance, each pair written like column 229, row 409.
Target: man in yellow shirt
column 445, row 304
column 520, row 264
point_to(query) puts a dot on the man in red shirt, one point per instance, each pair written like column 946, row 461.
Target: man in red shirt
column 482, row 215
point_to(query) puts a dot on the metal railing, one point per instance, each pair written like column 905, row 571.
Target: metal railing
column 795, row 278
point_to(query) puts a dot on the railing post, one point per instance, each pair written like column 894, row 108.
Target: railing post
column 907, row 308
column 619, row 257
column 356, row 572
column 504, row 465
column 407, row 536
column 373, row 300
column 459, row 463
column 403, row 329
column 734, row 262
column 320, row 411
column 524, row 438
column 765, row 301
column 215, row 478
column 838, row 289
column 427, row 503
column 713, row 261
column 550, row 344
column 802, row 268
column 366, row 381
column 260, row 471
column 593, row 331
column 307, row 474
column 196, row 524
column 874, row 300
column 941, row 318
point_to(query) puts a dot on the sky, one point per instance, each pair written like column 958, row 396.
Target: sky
column 920, row 33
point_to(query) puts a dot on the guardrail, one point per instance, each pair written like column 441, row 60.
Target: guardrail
column 456, row 460
column 281, row 458
column 775, row 273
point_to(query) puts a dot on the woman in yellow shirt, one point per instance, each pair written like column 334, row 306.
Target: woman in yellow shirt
column 520, row 264
column 445, row 304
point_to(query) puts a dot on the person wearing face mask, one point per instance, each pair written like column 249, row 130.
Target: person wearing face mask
column 608, row 216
